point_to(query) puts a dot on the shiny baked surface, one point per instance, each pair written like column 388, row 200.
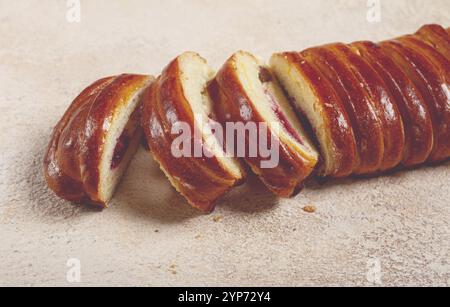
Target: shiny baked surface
column 400, row 219
column 394, row 97
column 201, row 180
column 73, row 158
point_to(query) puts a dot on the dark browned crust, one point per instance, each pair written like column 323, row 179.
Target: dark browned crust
column 362, row 111
column 437, row 36
column 430, row 81
column 334, row 115
column 286, row 179
column 383, row 104
column 71, row 163
column 392, row 124
column 413, row 108
column 202, row 181
column 441, row 62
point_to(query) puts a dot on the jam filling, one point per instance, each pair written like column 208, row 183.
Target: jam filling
column 123, row 142
column 265, row 76
column 121, row 149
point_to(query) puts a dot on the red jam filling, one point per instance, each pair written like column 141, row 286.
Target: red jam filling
column 282, row 118
column 125, row 138
column 121, row 149
column 265, row 76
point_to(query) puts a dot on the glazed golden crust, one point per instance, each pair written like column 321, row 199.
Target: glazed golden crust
column 201, row 180
column 286, row 179
column 414, row 111
column 361, row 109
column 71, row 163
column 437, row 36
column 379, row 104
column 392, row 123
column 430, row 81
column 438, row 59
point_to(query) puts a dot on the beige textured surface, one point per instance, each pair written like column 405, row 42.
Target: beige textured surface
column 402, row 220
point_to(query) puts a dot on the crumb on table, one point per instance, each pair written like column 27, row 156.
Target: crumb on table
column 309, row 209
column 218, row 218
column 173, row 269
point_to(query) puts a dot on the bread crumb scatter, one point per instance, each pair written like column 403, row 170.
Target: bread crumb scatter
column 173, row 269
column 309, row 209
column 218, row 218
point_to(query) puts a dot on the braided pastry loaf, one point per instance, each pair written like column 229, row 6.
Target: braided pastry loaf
column 335, row 110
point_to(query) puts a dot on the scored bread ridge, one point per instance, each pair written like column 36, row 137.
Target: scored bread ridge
column 201, row 180
column 434, row 89
column 441, row 66
column 242, row 97
column 315, row 99
column 438, row 59
column 383, row 102
column 437, row 36
column 414, row 111
column 82, row 142
column 360, row 108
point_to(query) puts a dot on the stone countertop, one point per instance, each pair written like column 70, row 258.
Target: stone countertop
column 391, row 230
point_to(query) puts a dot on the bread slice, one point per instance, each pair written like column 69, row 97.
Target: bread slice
column 250, row 93
column 94, row 141
column 380, row 95
column 431, row 82
column 180, row 96
column 414, row 111
column 361, row 108
column 437, row 36
column 316, row 100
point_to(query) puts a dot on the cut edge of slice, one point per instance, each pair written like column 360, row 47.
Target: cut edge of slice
column 195, row 76
column 329, row 121
column 121, row 141
column 270, row 102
